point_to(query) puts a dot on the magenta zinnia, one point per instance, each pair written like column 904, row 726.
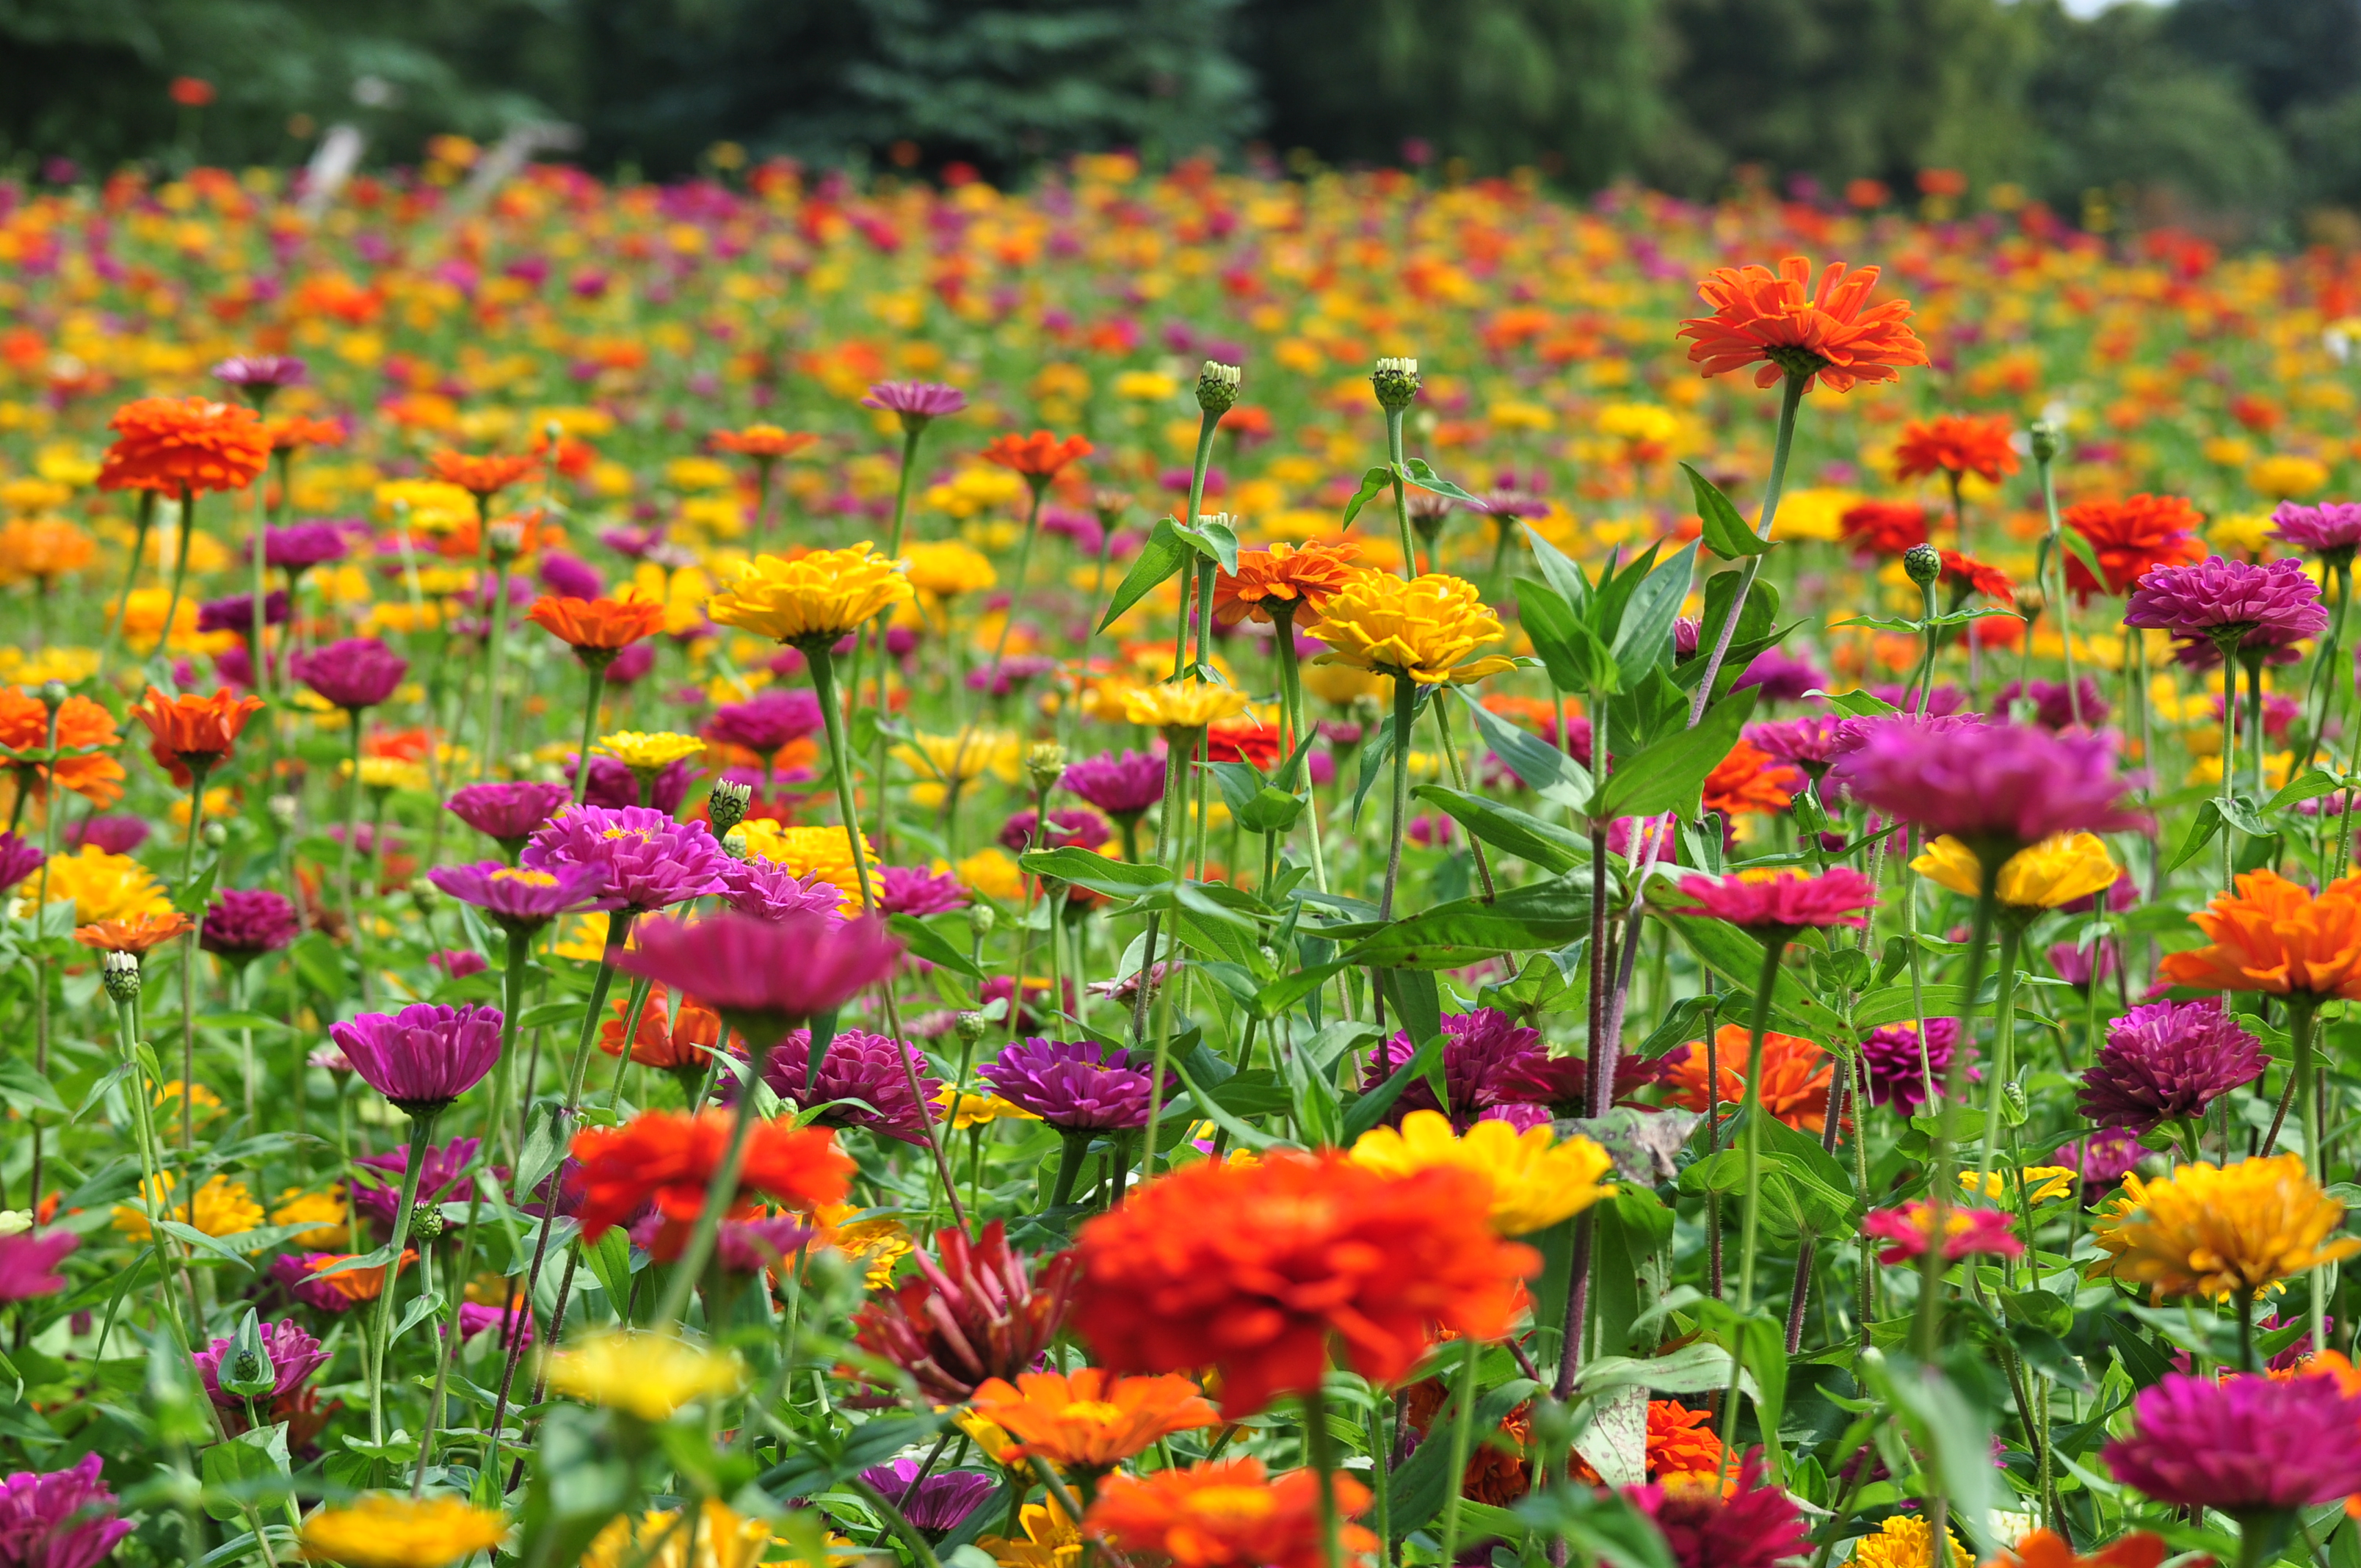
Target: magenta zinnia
column 2244, row 1445
column 1783, row 900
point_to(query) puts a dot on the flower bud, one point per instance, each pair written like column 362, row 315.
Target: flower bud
column 54, row 695
column 980, row 917
column 1045, row 764
column 120, row 974
column 728, row 805
column 247, row 1370
column 1397, row 384
column 504, row 540
column 971, row 1026
column 282, row 809
column 214, row 834
column 425, row 1222
column 1924, row 563
column 2045, row 440
column 1217, row 387
column 734, row 843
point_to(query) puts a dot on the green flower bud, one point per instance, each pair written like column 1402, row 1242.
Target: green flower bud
column 1397, row 384
column 1924, row 563
column 727, row 803
column 119, row 972
column 1217, row 387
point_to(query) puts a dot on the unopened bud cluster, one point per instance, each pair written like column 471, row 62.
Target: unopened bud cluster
column 1397, row 384
column 119, row 972
column 1217, row 387
column 728, row 805
column 1924, row 563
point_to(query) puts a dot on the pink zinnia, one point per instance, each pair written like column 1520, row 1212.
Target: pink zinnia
column 1783, row 901
column 764, row 977
column 2244, row 1445
column 2325, row 529
column 1989, row 783
column 1751, row 1525
column 1967, row 1232
column 29, row 1264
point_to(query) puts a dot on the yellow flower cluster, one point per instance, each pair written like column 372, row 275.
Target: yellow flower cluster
column 389, row 1531
column 1425, row 628
column 221, row 1208
column 2059, row 869
column 813, row 598
column 648, row 1374
column 947, row 568
column 650, row 751
column 104, row 887
column 808, row 851
column 720, row 1537
column 2211, row 1230
column 1181, row 705
column 1536, row 1181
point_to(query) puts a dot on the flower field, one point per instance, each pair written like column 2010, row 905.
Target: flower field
column 1178, row 868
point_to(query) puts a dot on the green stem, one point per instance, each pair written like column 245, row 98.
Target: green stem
column 589, row 732
column 351, row 835
column 422, row 1132
column 179, row 571
column 1462, row 1424
column 1401, row 493
column 1775, row 945
column 1790, row 398
column 719, row 1195
column 1076, row 1143
column 198, row 770
column 1318, row 1450
column 2003, row 1063
column 2303, row 1010
column 497, row 668
column 2056, row 563
column 1955, row 1076
column 885, row 661
column 140, row 530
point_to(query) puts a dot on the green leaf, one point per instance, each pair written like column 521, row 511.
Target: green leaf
column 1521, row 834
column 1861, row 704
column 1577, row 660
column 1946, row 1425
column 1283, row 994
column 1726, row 533
column 1738, row 959
column 1546, row 771
column 826, row 1458
column 2311, row 784
column 218, row 1245
column 26, row 1091
column 1272, row 811
column 567, row 1013
column 923, row 941
column 1419, row 1488
column 1759, row 1342
column 1418, row 474
column 1559, row 571
column 1088, row 868
column 1214, row 542
column 1604, row 1528
column 1669, row 776
column 1164, row 554
column 2207, row 823
column 610, row 1264
column 2082, row 552
column 249, row 1468
column 191, row 900
column 227, row 1021
column 1370, row 1108
column 1222, row 1116
column 1452, row 936
column 1374, row 483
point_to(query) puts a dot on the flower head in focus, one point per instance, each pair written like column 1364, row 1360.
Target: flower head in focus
column 668, row 1159
column 195, row 731
column 1783, row 902
column 140, row 933
column 171, row 445
column 1224, row 1513
column 1038, row 458
column 1906, row 1541
column 1285, row 578
column 1424, row 628
column 2211, row 1231
column 977, row 1311
column 358, row 673
column 1535, row 1180
column 2244, row 1445
column 2221, row 603
column 1090, row 1419
column 1957, row 445
column 2166, row 1061
column 814, row 599
column 425, row 1055
column 1796, row 1074
column 2275, row 936
column 1780, row 321
column 599, row 629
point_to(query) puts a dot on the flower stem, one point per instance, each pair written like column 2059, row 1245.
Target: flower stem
column 352, row 834
column 422, row 1132
column 885, row 659
column 1462, row 1424
column 2057, row 561
column 198, row 768
column 2004, row 1062
column 589, row 732
column 1790, row 398
column 719, row 1194
column 1775, row 945
column 1401, row 493
column 140, row 530
column 496, row 668
column 1955, row 1078
column 1318, row 1453
column 188, row 528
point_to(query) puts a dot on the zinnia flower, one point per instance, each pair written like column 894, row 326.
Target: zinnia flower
column 1073, row 1083
column 294, row 1357
column 358, row 673
column 650, row 861
column 1285, row 576
column 1124, row 784
column 507, row 813
column 1906, row 1541
column 173, row 445
column 668, row 1159
column 1424, row 629
column 2004, row 784
column 1180, row 705
column 424, row 1057
column 1225, row 1513
column 29, row 1264
column 649, row 1375
column 1535, row 1180
column 864, row 1080
column 663, row 1041
column 85, row 731
column 918, row 403
column 719, row 1536
column 597, row 630
column 2132, row 539
column 1707, row 1524
column 1783, row 902
column 2244, row 1445
column 2057, row 871
column 1967, row 1231
column 1088, row 1419
column 2168, row 1061
column 1039, row 456
column 1957, row 445
column 140, row 933
column 64, row 1518
column 976, row 1312
column 386, row 1530
column 1796, row 1075
column 764, row 977
column 521, row 900
column 1255, row 1268
column 2324, row 530
column 2044, row 1548
column 1897, row 1076
column 1492, row 1065
column 2211, row 1230
column 1884, row 528
column 480, row 477
column 197, row 731
column 1747, row 782
column 1780, row 321
column 764, row 443
column 2223, row 602
column 2274, row 936
column 814, row 599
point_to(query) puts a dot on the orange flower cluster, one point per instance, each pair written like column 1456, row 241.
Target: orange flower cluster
column 763, row 443
column 601, row 625
column 1957, row 445
column 136, row 933
column 2277, row 936
column 670, row 1159
column 2130, row 539
column 1284, row 575
column 1748, row 779
column 1039, row 456
column 662, row 1040
column 356, row 1286
column 1779, row 321
column 479, row 476
column 1224, row 1513
column 171, row 445
column 85, row 732
column 295, row 431
column 1090, row 1419
column 2044, row 1548
column 1255, row 1268
column 1796, row 1074
column 188, row 728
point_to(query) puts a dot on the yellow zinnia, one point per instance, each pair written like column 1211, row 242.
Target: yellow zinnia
column 650, row 751
column 2059, row 869
column 1906, row 1541
column 2211, row 1229
column 104, row 887
column 1181, row 705
column 649, row 1375
column 876, row 1244
column 723, row 1538
column 971, row 1109
column 1424, row 628
column 221, row 1208
column 1536, row 1182
column 812, row 852
column 947, row 568
column 324, row 1212
column 814, row 599
column 2042, row 1182
column 389, row 1531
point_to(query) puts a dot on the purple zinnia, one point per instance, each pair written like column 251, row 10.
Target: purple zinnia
column 1781, row 677
column 475, row 1317
column 1811, row 743
column 244, row 921
column 919, row 402
column 2103, row 1159
column 914, row 890
column 19, row 858
column 62, row 1519
column 29, row 1264
column 764, row 977
column 302, row 546
column 441, row 1169
column 769, row 720
column 2244, row 1445
column 1489, row 1060
column 769, row 891
column 1072, row 1083
column 2166, row 1061
column 522, row 900
column 424, row 1057
column 2078, row 965
column 358, row 673
column 294, row 1271
column 570, row 577
column 2324, row 530
column 236, row 612
column 1896, row 1076
column 1011, row 674
column 1124, row 784
column 935, row 1505
column 651, row 861
column 507, row 813
column 115, row 835
column 1989, row 783
column 2221, row 603
column 740, row 1247
column 294, row 1356
column 2054, row 705
column 1070, row 826
column 874, row 1069
column 259, row 375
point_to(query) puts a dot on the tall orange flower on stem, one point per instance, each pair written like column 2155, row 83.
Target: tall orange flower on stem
column 763, row 445
column 139, row 934
column 1781, row 322
column 1272, row 584
column 184, row 447
column 1037, row 458
column 1956, row 445
column 79, row 762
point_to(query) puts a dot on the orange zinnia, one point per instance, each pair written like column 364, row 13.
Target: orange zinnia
column 1778, row 320
column 1224, row 1513
column 135, row 933
column 1256, row 1268
column 1968, row 573
column 1284, row 576
column 1037, row 456
column 1681, row 1441
column 1749, row 779
column 295, row 431
column 2276, row 935
column 1884, row 528
column 1796, row 1074
column 1089, row 1419
column 763, row 443
column 682, row 1042
column 84, row 727
column 2041, row 1549
column 354, row 1284
column 598, row 625
column 191, row 728
column 479, row 476
column 2130, row 539
column 171, row 445
column 1957, row 445
column 669, row 1158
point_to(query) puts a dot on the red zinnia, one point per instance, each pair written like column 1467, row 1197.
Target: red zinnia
column 1778, row 320
column 1783, row 900
column 1256, row 1268
column 1956, row 444
column 1884, row 528
column 1965, row 572
column 669, row 1158
column 2131, row 539
column 1037, row 456
column 171, row 445
column 1967, row 1231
